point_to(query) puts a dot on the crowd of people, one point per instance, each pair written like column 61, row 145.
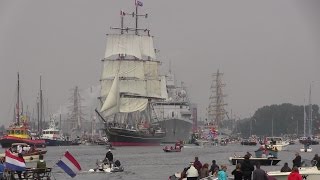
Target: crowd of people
column 197, row 170
column 242, row 171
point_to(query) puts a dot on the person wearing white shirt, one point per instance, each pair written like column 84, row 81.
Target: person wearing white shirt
column 192, row 172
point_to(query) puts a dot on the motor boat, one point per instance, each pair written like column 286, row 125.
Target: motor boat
column 308, row 173
column 306, row 149
column 105, row 167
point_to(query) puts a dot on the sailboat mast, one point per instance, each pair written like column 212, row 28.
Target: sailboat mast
column 136, row 18
column 272, row 126
column 304, row 120
column 40, row 107
column 60, row 119
column 18, row 100
column 310, row 113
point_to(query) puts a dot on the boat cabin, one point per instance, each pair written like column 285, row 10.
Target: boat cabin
column 24, row 147
column 274, row 141
column 51, row 133
column 18, row 131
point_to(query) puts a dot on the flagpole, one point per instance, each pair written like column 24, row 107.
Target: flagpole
column 136, row 17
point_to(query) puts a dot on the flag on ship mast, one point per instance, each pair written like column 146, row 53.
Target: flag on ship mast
column 138, row 3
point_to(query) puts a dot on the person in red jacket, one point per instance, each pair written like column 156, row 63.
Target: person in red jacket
column 197, row 164
column 294, row 175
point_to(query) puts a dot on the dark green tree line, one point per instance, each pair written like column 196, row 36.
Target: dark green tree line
column 286, row 119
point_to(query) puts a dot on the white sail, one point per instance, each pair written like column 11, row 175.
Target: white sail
column 153, row 88
column 130, row 44
column 147, row 48
column 164, row 92
column 133, row 104
column 111, row 104
column 132, row 69
column 127, row 87
column 151, row 69
column 137, row 78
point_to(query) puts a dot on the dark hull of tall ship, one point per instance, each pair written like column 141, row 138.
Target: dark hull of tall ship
column 7, row 141
column 176, row 130
column 125, row 137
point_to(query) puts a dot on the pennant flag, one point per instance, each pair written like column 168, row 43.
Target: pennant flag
column 69, row 164
column 138, row 3
column 14, row 162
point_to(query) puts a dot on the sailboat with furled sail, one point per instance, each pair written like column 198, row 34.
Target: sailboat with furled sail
column 130, row 83
column 19, row 131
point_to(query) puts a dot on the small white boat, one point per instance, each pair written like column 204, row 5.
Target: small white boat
column 106, row 168
column 308, row 173
column 276, row 142
column 309, row 149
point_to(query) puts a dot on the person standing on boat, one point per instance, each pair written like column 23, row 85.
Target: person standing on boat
column 237, row 173
column 297, row 160
column 192, row 173
column 204, row 171
column 109, row 157
column 246, row 168
column 197, row 164
column 285, row 168
column 294, row 175
column 259, row 174
column 19, row 149
column 316, row 161
column 222, row 174
column 214, row 168
column 41, row 164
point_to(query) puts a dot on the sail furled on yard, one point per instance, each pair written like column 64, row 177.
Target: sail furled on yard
column 138, row 46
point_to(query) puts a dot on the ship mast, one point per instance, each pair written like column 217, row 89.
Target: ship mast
column 18, row 100
column 216, row 109
column 133, row 14
column 310, row 113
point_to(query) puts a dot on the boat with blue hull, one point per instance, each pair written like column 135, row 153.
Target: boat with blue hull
column 53, row 136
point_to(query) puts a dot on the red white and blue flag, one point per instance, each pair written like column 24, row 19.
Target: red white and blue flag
column 13, row 162
column 138, row 3
column 69, row 164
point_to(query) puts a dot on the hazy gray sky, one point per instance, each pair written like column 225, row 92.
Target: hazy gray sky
column 269, row 51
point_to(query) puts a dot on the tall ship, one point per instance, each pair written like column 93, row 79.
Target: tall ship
column 19, row 131
column 130, row 84
column 217, row 124
column 174, row 112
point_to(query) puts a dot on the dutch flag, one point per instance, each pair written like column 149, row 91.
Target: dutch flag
column 69, row 164
column 13, row 162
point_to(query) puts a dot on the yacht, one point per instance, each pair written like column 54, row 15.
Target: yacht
column 276, row 142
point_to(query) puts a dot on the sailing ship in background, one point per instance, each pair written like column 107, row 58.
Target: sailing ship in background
column 19, row 131
column 130, row 83
column 216, row 128
column 174, row 113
